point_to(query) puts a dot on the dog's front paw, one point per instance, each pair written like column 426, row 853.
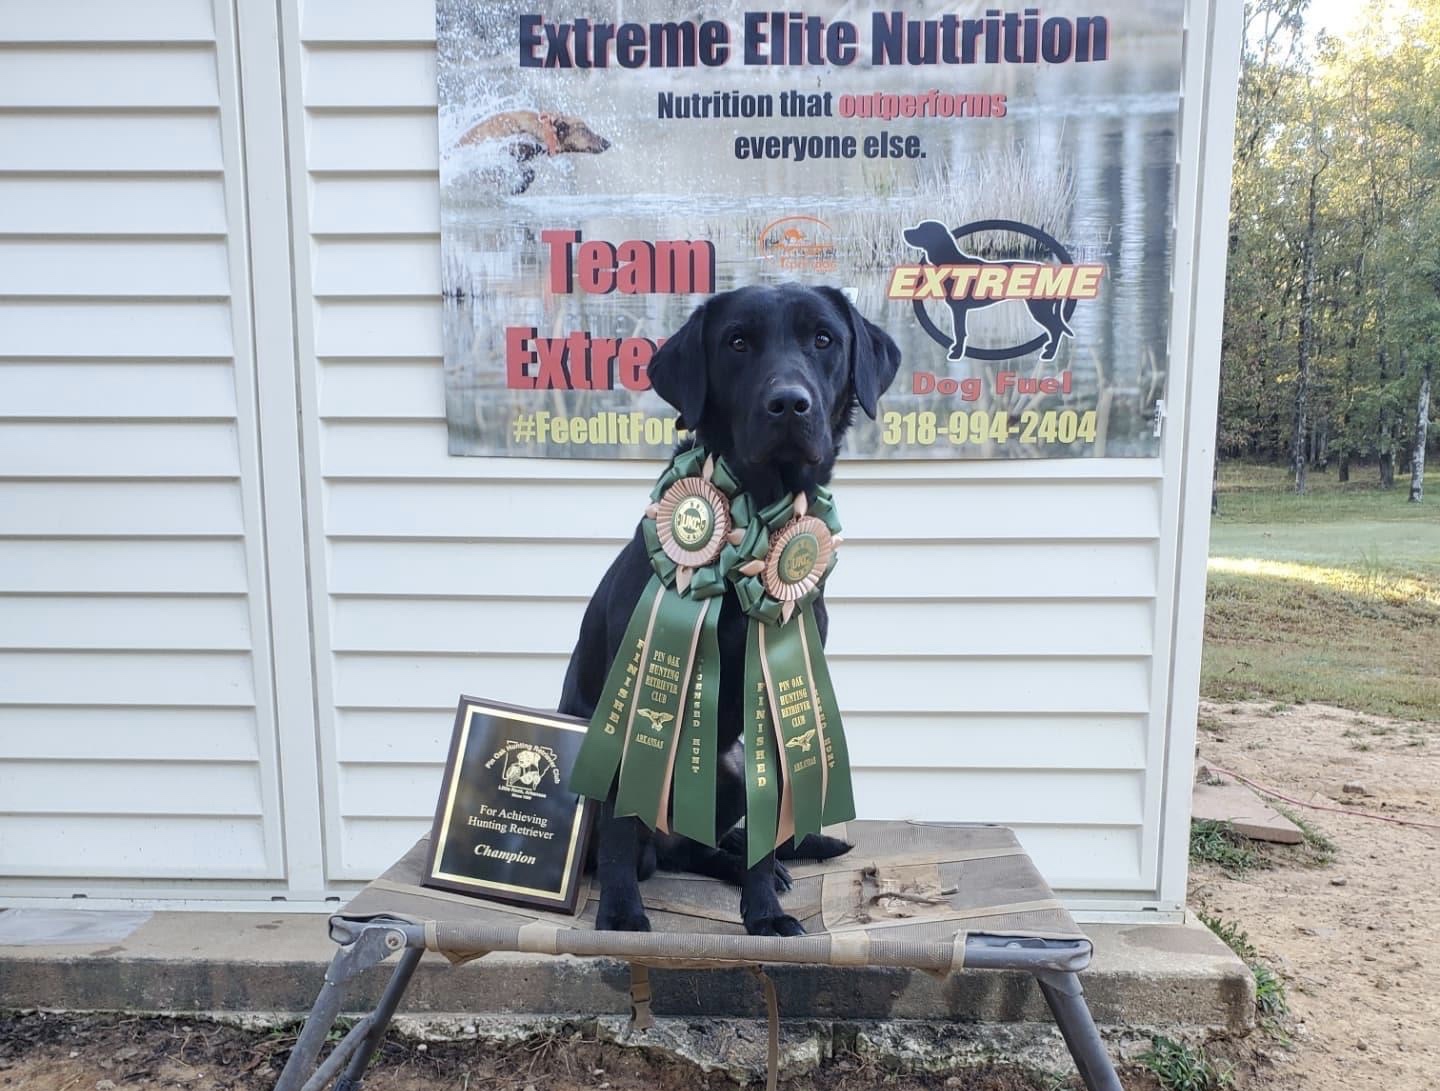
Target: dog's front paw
column 780, row 924
column 783, row 881
column 621, row 916
column 816, row 846
column 622, row 922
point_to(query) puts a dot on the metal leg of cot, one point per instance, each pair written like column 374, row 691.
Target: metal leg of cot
column 372, row 946
column 1066, row 998
column 384, row 1011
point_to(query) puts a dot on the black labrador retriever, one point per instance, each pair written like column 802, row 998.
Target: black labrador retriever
column 769, row 377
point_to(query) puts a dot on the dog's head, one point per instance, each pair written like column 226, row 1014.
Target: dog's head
column 935, row 239
column 770, row 377
column 564, row 133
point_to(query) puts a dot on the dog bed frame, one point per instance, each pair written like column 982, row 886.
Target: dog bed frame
column 923, row 896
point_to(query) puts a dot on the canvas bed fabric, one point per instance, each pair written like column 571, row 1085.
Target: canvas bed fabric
column 914, row 895
column 906, row 895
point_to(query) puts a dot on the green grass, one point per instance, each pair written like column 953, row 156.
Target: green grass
column 1217, row 843
column 1319, row 848
column 1265, row 494
column 1230, row 934
column 1179, row 1067
column 1333, row 596
column 1269, row 991
column 1270, row 997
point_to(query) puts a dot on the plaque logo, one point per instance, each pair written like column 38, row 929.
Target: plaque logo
column 524, row 769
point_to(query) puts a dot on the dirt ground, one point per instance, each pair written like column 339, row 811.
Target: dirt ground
column 59, row 1052
column 1348, row 937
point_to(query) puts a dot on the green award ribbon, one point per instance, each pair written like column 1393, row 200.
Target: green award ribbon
column 655, row 721
column 788, row 552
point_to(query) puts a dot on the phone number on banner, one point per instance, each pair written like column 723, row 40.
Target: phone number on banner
column 984, row 426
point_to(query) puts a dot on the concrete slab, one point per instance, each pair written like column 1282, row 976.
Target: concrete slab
column 1232, row 802
column 1177, row 975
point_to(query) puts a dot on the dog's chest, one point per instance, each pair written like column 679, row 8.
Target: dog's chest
column 734, row 626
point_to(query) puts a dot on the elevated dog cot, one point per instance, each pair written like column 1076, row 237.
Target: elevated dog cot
column 932, row 897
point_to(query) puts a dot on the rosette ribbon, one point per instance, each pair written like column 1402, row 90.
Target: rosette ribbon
column 792, row 718
column 656, row 719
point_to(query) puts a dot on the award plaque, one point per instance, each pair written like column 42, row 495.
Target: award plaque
column 507, row 828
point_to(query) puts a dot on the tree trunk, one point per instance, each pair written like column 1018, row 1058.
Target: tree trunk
column 1384, row 440
column 1344, row 474
column 1300, row 431
column 1215, row 478
column 1422, row 424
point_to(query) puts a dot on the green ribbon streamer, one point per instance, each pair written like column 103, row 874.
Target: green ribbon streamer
column 604, row 743
column 693, row 795
column 660, row 694
column 762, row 782
column 839, row 803
column 795, row 711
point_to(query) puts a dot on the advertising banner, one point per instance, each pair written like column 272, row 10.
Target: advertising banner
column 994, row 187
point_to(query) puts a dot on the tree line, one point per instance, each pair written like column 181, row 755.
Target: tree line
column 1332, row 315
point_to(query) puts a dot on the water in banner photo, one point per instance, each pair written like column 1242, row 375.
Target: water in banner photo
column 994, row 187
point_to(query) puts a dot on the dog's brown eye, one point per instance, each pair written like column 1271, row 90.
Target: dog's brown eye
column 822, row 340
column 739, row 344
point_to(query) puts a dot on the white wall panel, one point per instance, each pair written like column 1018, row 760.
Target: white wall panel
column 159, row 622
column 97, row 389
column 137, row 729
column 137, row 76
column 95, row 449
column 392, row 75
column 113, row 327
column 123, row 566
column 121, row 846
column 387, row 264
column 107, row 733
column 93, row 140
column 123, row 507
column 104, row 24
column 150, row 209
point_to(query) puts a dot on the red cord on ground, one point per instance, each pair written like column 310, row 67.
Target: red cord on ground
column 1322, row 806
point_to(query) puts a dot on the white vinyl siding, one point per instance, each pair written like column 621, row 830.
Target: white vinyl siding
column 242, row 584
column 137, row 735
column 994, row 626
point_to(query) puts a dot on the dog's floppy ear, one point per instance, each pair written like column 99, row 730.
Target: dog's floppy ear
column 677, row 371
column 874, row 357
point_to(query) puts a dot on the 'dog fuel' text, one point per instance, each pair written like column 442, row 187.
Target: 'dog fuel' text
column 972, row 387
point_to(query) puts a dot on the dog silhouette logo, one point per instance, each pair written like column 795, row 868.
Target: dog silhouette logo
column 801, row 742
column 1046, row 279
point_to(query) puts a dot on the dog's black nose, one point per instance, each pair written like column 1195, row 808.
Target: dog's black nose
column 787, row 400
